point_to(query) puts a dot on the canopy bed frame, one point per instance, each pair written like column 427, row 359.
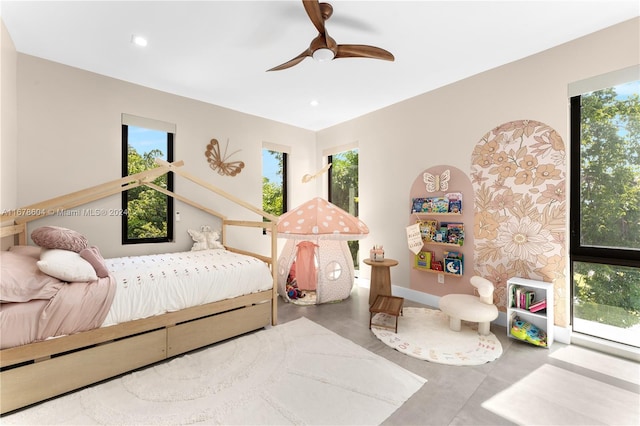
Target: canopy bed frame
column 37, row 371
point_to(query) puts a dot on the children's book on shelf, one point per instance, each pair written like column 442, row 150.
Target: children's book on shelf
column 453, row 266
column 455, row 233
column 455, row 202
column 538, row 306
column 452, row 255
column 420, row 205
column 521, row 298
column 430, row 205
column 423, row 260
column 453, row 262
column 439, row 205
column 526, row 299
column 428, row 229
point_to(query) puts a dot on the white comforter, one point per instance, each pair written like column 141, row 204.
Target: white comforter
column 155, row 284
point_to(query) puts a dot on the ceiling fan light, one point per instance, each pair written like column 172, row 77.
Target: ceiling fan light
column 323, row 54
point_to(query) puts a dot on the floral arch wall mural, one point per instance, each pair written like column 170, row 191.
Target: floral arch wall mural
column 518, row 173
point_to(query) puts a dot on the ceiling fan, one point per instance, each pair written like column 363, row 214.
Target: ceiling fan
column 325, row 48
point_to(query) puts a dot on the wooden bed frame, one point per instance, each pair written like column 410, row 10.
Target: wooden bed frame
column 38, row 371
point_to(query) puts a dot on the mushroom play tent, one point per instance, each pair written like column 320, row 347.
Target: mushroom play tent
column 315, row 265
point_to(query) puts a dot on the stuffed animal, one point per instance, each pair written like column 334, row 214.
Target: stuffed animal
column 205, row 239
column 199, row 242
column 528, row 332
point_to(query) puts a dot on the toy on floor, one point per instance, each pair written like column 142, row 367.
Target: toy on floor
column 293, row 292
column 528, row 332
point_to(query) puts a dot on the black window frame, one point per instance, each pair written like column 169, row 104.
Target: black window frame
column 577, row 251
column 285, row 186
column 170, row 187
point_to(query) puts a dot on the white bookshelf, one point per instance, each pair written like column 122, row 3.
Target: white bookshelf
column 542, row 319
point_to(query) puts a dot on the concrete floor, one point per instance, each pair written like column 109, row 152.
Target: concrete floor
column 526, row 385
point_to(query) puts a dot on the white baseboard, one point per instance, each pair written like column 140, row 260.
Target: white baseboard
column 562, row 334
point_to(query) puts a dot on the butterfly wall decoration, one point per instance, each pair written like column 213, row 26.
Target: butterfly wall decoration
column 437, row 182
column 218, row 162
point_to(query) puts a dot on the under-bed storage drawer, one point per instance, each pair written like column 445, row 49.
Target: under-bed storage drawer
column 54, row 376
column 196, row 334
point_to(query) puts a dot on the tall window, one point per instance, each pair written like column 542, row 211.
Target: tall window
column 274, row 181
column 148, row 214
column 605, row 212
column 343, row 188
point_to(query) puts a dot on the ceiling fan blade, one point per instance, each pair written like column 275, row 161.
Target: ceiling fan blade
column 363, row 51
column 292, row 62
column 315, row 14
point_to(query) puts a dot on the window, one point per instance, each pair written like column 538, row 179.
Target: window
column 605, row 212
column 148, row 214
column 274, row 180
column 343, row 188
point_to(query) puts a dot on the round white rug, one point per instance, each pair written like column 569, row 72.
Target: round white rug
column 425, row 334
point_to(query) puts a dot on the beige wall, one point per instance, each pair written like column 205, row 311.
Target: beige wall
column 8, row 121
column 69, row 123
column 69, row 139
column 443, row 126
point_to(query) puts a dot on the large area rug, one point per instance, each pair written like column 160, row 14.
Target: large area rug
column 425, row 334
column 295, row 373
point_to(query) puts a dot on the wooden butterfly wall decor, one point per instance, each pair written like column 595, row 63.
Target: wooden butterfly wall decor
column 219, row 163
column 437, row 182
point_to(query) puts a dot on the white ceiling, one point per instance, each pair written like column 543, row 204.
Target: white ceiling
column 218, row 51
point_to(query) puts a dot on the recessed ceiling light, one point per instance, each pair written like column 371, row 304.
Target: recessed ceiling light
column 138, row 40
column 314, row 103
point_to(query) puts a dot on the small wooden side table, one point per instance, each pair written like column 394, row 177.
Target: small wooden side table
column 380, row 278
column 390, row 305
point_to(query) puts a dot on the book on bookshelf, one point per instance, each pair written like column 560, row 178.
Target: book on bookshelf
column 420, row 205
column 538, row 306
column 439, row 205
column 521, row 298
column 455, row 201
column 453, row 266
column 423, row 260
column 428, row 229
column 455, row 233
column 528, row 297
column 430, row 205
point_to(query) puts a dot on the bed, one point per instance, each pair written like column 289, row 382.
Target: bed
column 127, row 337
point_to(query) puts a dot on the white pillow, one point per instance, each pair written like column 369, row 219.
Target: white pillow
column 66, row 265
column 205, row 239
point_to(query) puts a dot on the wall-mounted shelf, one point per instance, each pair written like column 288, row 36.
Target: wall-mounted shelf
column 425, row 214
column 433, row 271
column 436, row 243
column 442, row 231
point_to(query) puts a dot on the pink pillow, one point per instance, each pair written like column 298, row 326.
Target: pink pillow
column 21, row 280
column 93, row 256
column 55, row 237
column 31, row 251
